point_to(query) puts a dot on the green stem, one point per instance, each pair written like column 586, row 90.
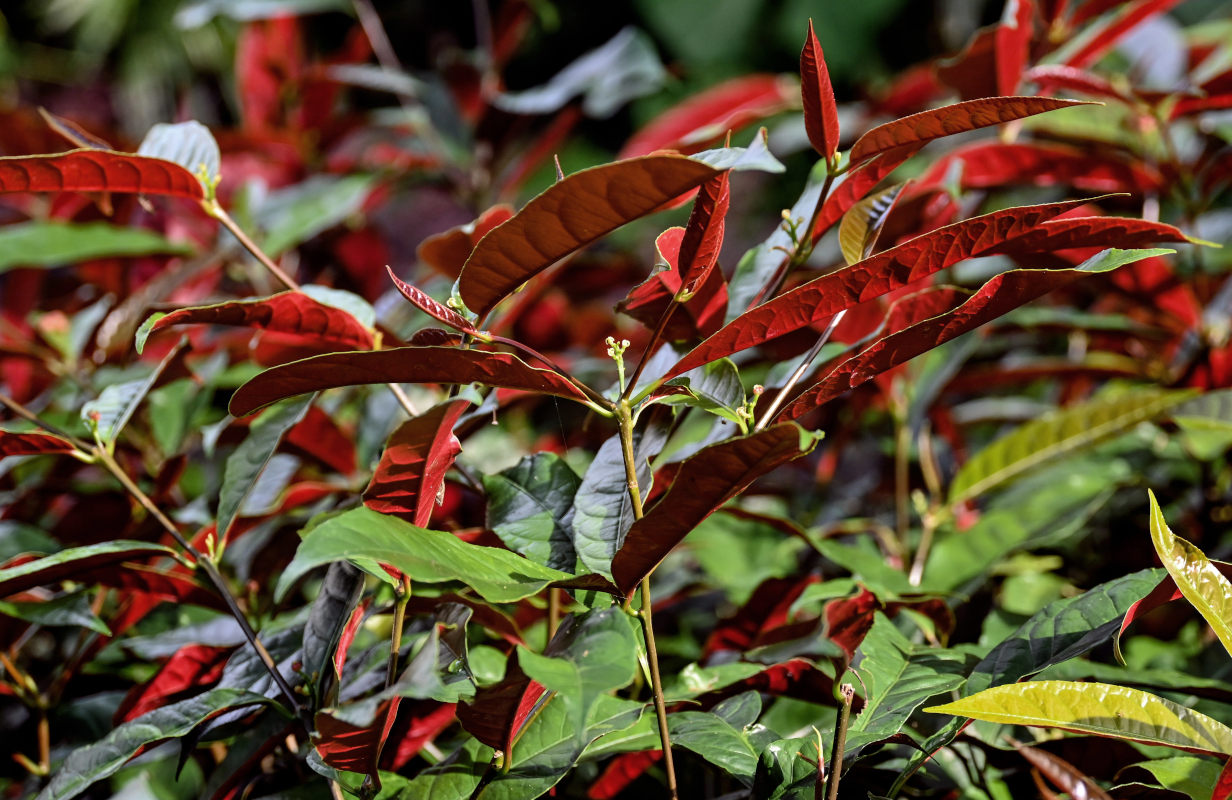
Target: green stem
column 650, row 347
column 840, row 740
column 402, row 595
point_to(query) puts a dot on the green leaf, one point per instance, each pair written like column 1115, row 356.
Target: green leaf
column 1096, row 708
column 1202, row 584
column 739, row 553
column 788, row 769
column 329, row 614
column 248, row 461
column 71, row 610
column 728, row 736
column 498, row 576
column 47, row 244
column 1058, row 434
column 714, row 387
column 295, row 214
column 530, row 508
column 103, row 758
column 69, row 563
column 1185, row 774
column 454, row 778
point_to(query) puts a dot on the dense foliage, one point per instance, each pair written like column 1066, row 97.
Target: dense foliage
column 351, row 438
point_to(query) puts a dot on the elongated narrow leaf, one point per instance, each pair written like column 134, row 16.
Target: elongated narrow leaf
column 412, row 469
column 107, row 414
column 995, row 164
column 530, row 507
column 1063, row 774
column 822, row 298
column 703, row 234
column 245, row 465
column 857, row 233
column 1013, row 41
column 399, row 365
column 31, row 444
column 438, row 311
column 705, row 482
column 49, row 243
column 948, row 120
column 1202, row 584
column 820, row 110
column 498, row 576
column 70, row 610
column 996, row 297
column 1119, row 232
column 286, row 312
column 1097, row 40
column 191, row 667
column 569, row 215
column 1050, row 437
column 97, row 171
column 1099, row 709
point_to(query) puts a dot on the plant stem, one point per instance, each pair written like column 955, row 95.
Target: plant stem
column 402, row 596
column 765, row 418
column 222, row 216
column 803, row 249
column 840, row 741
column 625, row 417
column 650, row 346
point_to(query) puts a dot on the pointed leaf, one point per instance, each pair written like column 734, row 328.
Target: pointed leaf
column 398, row 365
column 191, row 667
column 447, row 251
column 705, row 482
column 1087, row 48
column 569, row 215
column 68, row 564
column 438, row 311
column 70, row 610
column 1203, row 585
column 853, row 185
column 857, row 233
column 412, row 469
column 699, row 315
column 327, row 619
column 997, row 164
column 1099, row 709
column 1071, row 232
column 245, row 466
column 97, row 171
column 52, row 243
column 948, row 120
column 1013, row 41
column 530, row 508
column 820, row 110
column 31, row 444
column 703, row 233
column 189, row 144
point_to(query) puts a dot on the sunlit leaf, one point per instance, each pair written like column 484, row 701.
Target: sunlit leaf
column 412, row 468
column 820, row 110
column 857, row 233
column 189, row 144
column 1087, row 48
column 97, row 171
column 48, row 243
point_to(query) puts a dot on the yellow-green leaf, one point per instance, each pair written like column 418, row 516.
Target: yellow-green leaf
column 1100, row 709
column 1202, row 584
column 857, row 233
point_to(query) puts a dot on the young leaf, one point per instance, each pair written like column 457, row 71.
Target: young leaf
column 398, row 365
column 699, row 315
column 1099, row 709
column 245, row 466
column 52, row 243
column 31, row 444
column 703, row 234
column 1196, row 577
column 438, row 311
column 820, row 110
column 530, row 508
column 1087, row 48
column 948, row 120
column 857, row 233
column 412, row 469
column 189, row 144
column 97, row 171
column 852, row 186
column 569, row 215
column 705, row 482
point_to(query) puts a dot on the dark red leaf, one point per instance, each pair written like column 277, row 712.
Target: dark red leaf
column 973, row 71
column 708, row 115
column 1062, row 773
column 1050, row 77
column 286, row 312
column 438, row 311
column 157, row 583
column 1098, row 41
column 569, row 215
column 948, row 120
column 97, row 171
column 622, row 771
column 446, row 252
column 350, row 747
column 705, row 482
column 700, row 316
column 998, row 164
column 31, row 444
column 320, row 437
column 1013, row 42
column 413, row 466
column 820, row 110
column 1096, row 232
column 822, row 298
column 400, row 365
column 69, row 564
column 498, row 712
column 765, row 610
column 848, row 619
column 192, row 667
column 703, row 233
column 856, row 185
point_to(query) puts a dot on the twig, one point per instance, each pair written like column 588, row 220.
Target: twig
column 840, row 740
column 222, row 216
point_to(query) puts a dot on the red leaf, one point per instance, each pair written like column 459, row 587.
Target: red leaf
column 193, row 666
column 569, row 215
column 1095, row 232
column 765, row 610
column 700, row 316
column 446, row 252
column 350, row 747
column 443, row 365
column 286, row 312
column 31, row 444
column 856, row 185
column 97, row 171
column 997, row 164
column 319, row 436
column 1098, row 41
column 421, row 729
column 1062, row 773
column 820, row 110
column 973, row 72
column 348, row 636
column 498, row 712
column 703, row 233
column 1050, row 77
column 622, row 771
column 413, row 466
column 704, row 117
column 1013, row 42
column 948, row 120
column 822, row 298
column 705, row 481
column 1223, row 786
column 999, row 295
column 68, row 565
column 848, row 619
column 438, row 311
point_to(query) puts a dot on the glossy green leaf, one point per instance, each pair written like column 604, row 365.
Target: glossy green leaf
column 498, row 576
column 1189, row 775
column 530, row 508
column 248, row 461
column 727, row 736
column 1099, row 709
column 51, row 243
column 71, row 610
column 1197, row 578
column 68, row 563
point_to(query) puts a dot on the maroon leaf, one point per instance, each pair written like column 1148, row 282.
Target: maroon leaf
column 569, row 215
column 1095, row 232
column 820, row 299
column 622, row 771
column 413, row 466
column 499, row 712
column 435, row 337
column 1050, row 77
column 438, row 311
column 703, row 234
column 820, row 110
column 31, row 444
column 1062, row 773
column 286, row 312
column 1013, row 39
column 192, row 667
column 705, row 482
column 765, row 610
column 857, row 184
column 446, row 252
column 320, row 437
column 414, row 730
column 997, row 164
column 848, row 619
column 97, row 171
column 350, row 747
column 443, row 365
column 948, row 120
column 699, row 316
column 704, row 117
column 71, row 563
column 1095, row 42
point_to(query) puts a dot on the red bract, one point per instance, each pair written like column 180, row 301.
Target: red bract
column 191, row 667
column 1000, row 164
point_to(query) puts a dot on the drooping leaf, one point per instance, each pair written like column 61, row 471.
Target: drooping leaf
column 438, row 311
column 948, row 120
column 428, row 556
column 286, row 312
column 412, row 468
column 1196, row 577
column 328, row 618
column 13, row 443
column 999, row 295
column 820, row 110
column 189, row 144
column 246, row 464
column 397, row 365
column 530, row 508
column 97, row 171
column 67, row 564
column 569, row 215
column 1099, row 709
column 705, row 482
column 51, row 243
